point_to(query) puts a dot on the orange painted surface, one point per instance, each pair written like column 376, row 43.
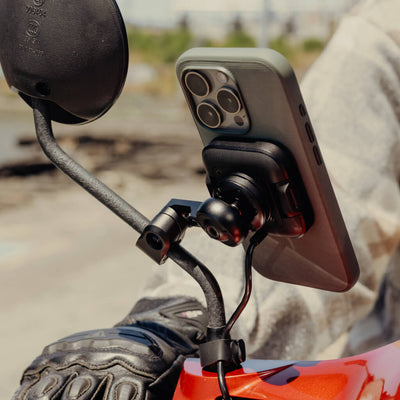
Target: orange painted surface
column 371, row 376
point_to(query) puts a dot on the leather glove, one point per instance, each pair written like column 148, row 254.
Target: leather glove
column 140, row 358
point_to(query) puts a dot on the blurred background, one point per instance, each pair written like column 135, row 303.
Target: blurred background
column 66, row 263
column 158, row 32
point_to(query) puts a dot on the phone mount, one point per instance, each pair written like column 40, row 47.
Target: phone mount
column 237, row 209
column 245, row 180
column 254, row 186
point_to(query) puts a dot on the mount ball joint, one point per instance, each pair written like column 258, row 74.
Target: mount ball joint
column 237, row 207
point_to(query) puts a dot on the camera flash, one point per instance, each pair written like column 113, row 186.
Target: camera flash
column 222, row 78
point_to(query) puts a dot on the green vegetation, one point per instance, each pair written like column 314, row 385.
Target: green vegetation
column 238, row 37
column 313, row 44
column 165, row 46
column 283, row 46
column 159, row 46
column 301, row 54
column 291, row 49
column 161, row 49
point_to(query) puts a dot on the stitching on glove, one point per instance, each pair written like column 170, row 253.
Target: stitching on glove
column 62, row 387
column 116, row 395
column 51, row 385
column 107, row 381
column 81, row 390
column 116, row 362
column 106, row 350
column 29, row 386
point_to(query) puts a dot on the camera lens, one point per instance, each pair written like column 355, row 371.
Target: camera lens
column 209, row 115
column 228, row 100
column 197, row 84
column 239, row 120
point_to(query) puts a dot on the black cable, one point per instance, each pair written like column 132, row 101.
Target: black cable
column 254, row 241
column 248, row 288
column 222, row 381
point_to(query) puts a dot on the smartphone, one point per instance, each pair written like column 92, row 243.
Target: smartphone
column 239, row 96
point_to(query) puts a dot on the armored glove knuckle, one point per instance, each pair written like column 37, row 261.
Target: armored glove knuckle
column 140, row 360
column 182, row 320
column 133, row 348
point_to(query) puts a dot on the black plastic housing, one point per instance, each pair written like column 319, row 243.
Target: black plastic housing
column 273, row 168
column 73, row 54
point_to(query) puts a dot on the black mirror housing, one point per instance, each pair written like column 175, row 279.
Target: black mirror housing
column 73, row 54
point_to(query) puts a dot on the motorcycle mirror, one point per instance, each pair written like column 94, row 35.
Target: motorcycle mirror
column 72, row 54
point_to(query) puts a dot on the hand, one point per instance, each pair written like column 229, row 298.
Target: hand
column 138, row 361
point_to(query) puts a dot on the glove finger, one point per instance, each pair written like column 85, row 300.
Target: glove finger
column 125, row 391
column 127, row 388
column 46, row 388
column 83, row 387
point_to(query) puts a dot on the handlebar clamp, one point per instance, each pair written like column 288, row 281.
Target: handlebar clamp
column 231, row 352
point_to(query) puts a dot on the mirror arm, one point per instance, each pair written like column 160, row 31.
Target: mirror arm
column 209, row 286
column 126, row 212
column 79, row 174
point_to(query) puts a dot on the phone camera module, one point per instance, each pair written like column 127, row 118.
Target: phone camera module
column 229, row 100
column 197, row 84
column 209, row 115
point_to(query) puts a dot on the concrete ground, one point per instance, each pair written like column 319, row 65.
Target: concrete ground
column 71, row 265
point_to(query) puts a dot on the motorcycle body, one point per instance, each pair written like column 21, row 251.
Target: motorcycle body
column 374, row 375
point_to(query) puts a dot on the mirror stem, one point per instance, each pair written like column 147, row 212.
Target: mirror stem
column 125, row 211
column 79, row 174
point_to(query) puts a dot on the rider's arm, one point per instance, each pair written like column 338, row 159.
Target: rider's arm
column 354, row 96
